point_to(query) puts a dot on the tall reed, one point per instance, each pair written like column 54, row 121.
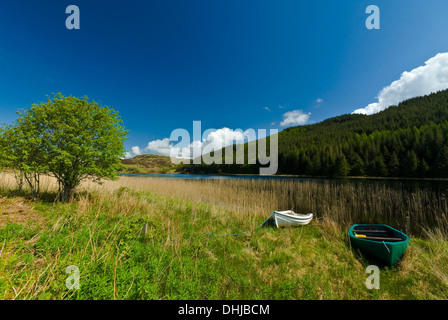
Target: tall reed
column 340, row 202
column 343, row 203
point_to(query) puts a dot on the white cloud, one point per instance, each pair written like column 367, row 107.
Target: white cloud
column 161, row 146
column 431, row 77
column 267, row 109
column 295, row 118
column 224, row 137
column 319, row 100
column 135, row 151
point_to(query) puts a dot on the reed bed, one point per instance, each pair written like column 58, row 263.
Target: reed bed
column 340, row 202
column 343, row 203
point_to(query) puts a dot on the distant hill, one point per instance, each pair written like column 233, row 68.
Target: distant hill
column 408, row 140
column 148, row 163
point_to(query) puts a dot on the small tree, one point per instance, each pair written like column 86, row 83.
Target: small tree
column 357, row 167
column 15, row 156
column 73, row 139
column 441, row 166
column 410, row 163
column 4, row 160
column 341, row 167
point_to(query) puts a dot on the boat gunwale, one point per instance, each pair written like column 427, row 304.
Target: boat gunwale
column 391, row 243
column 298, row 216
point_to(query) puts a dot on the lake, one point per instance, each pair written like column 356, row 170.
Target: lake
column 406, row 184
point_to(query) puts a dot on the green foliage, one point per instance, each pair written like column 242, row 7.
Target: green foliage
column 68, row 137
column 341, row 166
column 19, row 152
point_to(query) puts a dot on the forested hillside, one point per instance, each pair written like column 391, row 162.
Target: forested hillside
column 408, row 140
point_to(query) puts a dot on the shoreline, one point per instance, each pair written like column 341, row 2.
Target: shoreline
column 285, row 176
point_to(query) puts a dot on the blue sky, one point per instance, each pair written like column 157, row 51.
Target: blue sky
column 228, row 63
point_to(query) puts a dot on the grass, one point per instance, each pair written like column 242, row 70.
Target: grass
column 101, row 232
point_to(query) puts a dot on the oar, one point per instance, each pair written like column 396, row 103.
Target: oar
column 373, row 231
column 378, row 238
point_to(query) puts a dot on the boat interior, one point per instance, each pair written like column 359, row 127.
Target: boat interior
column 377, row 233
column 294, row 214
column 289, row 212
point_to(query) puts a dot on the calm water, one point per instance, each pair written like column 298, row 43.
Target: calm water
column 207, row 176
column 406, row 184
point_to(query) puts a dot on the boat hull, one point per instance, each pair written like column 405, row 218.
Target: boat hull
column 284, row 219
column 389, row 252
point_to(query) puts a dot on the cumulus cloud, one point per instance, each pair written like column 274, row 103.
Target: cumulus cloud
column 431, row 77
column 161, row 147
column 319, row 100
column 295, row 118
column 223, row 137
column 135, row 151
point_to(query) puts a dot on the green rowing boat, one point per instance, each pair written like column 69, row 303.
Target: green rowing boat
column 379, row 241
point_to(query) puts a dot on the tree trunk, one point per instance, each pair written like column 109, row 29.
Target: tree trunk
column 67, row 192
column 33, row 180
column 19, row 179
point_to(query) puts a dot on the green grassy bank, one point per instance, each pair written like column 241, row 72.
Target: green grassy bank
column 102, row 234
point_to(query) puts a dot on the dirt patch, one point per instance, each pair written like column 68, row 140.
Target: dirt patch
column 18, row 210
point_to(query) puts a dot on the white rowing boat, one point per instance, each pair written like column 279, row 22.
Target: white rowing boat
column 290, row 219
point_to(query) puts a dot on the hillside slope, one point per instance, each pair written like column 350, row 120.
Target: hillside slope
column 148, row 163
column 408, row 140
